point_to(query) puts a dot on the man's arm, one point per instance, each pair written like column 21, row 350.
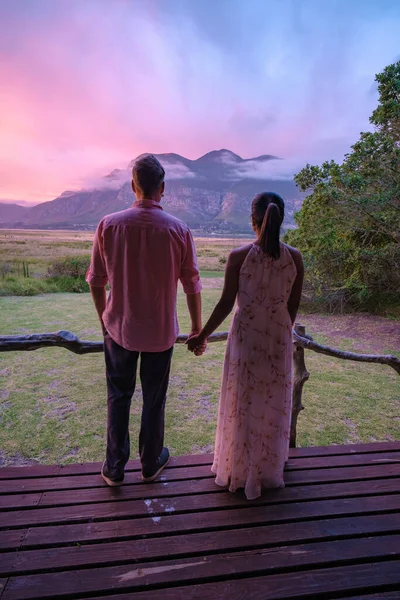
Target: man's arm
column 194, row 308
column 190, row 279
column 99, row 300
column 96, row 276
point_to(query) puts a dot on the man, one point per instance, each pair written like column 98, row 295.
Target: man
column 141, row 252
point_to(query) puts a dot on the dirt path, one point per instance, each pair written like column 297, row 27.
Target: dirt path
column 370, row 334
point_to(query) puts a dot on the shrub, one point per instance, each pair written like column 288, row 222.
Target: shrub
column 75, row 267
column 68, row 274
column 22, row 286
column 67, row 284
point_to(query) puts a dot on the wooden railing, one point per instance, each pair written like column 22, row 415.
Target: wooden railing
column 301, row 341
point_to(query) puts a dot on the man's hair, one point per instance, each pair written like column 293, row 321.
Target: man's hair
column 147, row 174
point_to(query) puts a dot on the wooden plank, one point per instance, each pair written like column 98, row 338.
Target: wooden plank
column 3, row 583
column 196, row 522
column 337, row 474
column 29, row 471
column 337, row 449
column 227, row 586
column 315, row 584
column 166, row 489
column 204, row 486
column 93, row 468
column 378, row 596
column 12, row 539
column 189, row 503
column 13, row 501
column 15, row 486
column 44, row 484
column 133, row 576
column 36, row 471
column 246, row 539
column 345, row 460
column 199, row 471
column 190, row 460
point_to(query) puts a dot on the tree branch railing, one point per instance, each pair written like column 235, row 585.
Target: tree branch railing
column 301, row 341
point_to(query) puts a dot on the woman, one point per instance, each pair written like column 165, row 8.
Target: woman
column 252, row 439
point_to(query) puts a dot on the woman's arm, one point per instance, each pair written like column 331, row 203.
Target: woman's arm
column 227, row 300
column 295, row 296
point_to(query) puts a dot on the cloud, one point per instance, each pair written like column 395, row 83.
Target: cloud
column 269, row 169
column 175, row 168
column 86, row 86
column 178, row 172
column 118, row 177
column 258, row 168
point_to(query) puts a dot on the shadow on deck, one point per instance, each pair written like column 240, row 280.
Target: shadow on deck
column 333, row 532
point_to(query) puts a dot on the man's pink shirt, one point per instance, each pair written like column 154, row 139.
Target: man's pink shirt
column 143, row 252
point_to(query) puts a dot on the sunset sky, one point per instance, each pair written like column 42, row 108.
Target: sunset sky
column 87, row 85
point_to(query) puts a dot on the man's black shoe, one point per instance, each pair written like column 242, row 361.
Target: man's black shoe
column 111, row 481
column 162, row 462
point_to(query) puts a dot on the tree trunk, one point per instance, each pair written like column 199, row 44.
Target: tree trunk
column 300, row 376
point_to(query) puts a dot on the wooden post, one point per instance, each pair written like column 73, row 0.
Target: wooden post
column 300, row 376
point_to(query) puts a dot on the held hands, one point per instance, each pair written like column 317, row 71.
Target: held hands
column 196, row 344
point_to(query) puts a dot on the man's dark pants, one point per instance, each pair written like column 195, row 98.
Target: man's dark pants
column 121, row 366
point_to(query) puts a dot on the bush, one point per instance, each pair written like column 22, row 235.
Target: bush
column 75, row 267
column 68, row 274
column 68, row 284
column 22, row 286
column 16, row 268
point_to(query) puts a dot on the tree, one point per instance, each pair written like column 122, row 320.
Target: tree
column 349, row 225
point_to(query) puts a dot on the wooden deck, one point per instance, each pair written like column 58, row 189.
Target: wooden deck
column 333, row 532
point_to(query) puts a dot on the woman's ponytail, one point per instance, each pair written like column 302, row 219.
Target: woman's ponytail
column 267, row 213
column 269, row 234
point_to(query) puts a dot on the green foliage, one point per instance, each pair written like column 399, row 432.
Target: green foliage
column 349, row 226
column 71, row 266
column 12, row 285
column 15, row 269
column 69, row 274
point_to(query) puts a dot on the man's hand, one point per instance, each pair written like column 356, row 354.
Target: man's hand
column 196, row 343
column 194, row 306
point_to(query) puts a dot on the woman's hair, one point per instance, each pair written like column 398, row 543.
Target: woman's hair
column 267, row 213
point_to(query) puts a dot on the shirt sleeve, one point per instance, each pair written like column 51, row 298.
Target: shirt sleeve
column 96, row 275
column 189, row 276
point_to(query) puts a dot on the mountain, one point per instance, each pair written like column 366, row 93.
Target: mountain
column 11, row 212
column 211, row 194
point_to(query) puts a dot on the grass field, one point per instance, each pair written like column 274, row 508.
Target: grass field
column 53, row 407
column 27, row 259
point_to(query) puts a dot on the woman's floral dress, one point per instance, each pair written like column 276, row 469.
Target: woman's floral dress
column 252, row 439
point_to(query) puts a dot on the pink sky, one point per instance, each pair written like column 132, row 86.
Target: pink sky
column 86, row 86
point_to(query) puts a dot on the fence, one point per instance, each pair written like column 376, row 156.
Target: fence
column 301, row 341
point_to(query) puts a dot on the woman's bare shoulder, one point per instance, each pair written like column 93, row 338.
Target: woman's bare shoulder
column 296, row 255
column 238, row 255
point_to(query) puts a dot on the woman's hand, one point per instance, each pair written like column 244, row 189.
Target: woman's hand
column 196, row 344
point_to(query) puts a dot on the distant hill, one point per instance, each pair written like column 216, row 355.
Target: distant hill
column 211, row 194
column 11, row 212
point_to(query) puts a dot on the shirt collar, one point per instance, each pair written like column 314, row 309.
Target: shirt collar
column 146, row 204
